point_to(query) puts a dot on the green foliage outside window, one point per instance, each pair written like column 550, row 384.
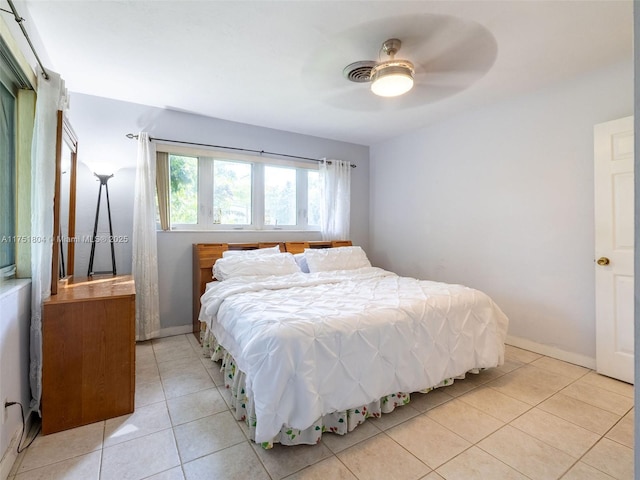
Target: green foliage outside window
column 231, row 193
column 313, row 188
column 209, row 191
column 279, row 196
column 184, row 189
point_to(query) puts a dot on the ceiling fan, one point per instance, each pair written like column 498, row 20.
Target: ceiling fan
column 388, row 78
column 437, row 56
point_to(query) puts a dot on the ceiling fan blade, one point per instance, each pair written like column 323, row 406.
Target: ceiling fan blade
column 459, row 80
column 358, row 99
column 472, row 54
column 449, row 53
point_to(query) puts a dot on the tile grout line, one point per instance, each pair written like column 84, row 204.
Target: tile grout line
column 472, row 444
column 531, row 407
column 475, row 444
column 589, row 450
column 228, row 409
column 385, row 432
column 601, row 436
column 496, row 458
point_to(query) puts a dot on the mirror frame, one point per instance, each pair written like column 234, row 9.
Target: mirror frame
column 64, row 133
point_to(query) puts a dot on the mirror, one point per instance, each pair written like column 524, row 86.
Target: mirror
column 64, row 203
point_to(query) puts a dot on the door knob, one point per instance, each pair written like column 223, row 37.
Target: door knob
column 603, row 261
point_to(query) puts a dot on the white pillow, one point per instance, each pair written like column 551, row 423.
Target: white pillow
column 241, row 265
column 301, row 260
column 339, row 258
column 257, row 251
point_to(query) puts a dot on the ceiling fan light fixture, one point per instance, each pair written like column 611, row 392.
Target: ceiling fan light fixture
column 388, row 79
column 392, row 78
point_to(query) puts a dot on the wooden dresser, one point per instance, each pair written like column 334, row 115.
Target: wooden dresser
column 88, row 352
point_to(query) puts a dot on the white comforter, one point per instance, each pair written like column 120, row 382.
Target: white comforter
column 312, row 344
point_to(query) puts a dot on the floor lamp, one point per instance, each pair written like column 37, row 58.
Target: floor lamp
column 103, row 183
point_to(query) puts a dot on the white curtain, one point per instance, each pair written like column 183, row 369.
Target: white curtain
column 51, row 97
column 335, row 205
column 145, row 249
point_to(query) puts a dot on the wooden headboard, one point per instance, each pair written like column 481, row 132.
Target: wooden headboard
column 206, row 254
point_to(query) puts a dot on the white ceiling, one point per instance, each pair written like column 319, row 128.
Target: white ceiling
column 279, row 64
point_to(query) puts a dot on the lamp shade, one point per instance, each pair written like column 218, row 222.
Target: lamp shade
column 393, row 78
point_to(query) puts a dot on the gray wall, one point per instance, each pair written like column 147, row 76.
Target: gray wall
column 501, row 199
column 101, row 125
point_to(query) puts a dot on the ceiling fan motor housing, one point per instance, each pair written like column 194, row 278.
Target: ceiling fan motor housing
column 392, row 67
column 391, row 46
column 389, row 78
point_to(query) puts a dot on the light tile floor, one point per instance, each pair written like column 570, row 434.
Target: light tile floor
column 534, row 417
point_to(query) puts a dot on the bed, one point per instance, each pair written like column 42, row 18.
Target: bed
column 322, row 350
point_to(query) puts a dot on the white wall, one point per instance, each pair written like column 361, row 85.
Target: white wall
column 501, row 199
column 15, row 305
column 101, row 125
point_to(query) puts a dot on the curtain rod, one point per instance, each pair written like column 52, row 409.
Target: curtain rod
column 261, row 152
column 19, row 20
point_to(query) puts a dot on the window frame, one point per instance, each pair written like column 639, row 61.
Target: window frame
column 8, row 82
column 184, row 226
column 18, row 76
column 205, row 217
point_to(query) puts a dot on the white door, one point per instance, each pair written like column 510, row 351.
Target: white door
column 613, row 142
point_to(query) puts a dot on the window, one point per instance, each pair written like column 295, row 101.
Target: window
column 280, row 196
column 17, row 104
column 232, row 192
column 184, row 189
column 211, row 190
column 313, row 188
column 7, row 181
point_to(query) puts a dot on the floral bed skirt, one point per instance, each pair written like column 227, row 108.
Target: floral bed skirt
column 338, row 422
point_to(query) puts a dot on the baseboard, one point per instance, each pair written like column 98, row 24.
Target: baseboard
column 549, row 351
column 171, row 331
